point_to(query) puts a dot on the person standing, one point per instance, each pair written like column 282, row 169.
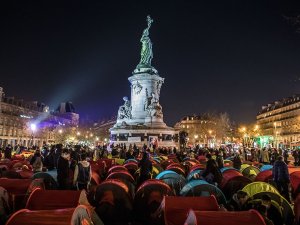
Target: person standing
column 63, row 170
column 145, row 168
column 82, row 173
column 7, row 152
column 281, row 177
column 265, row 156
column 37, row 163
column 237, row 162
column 286, row 155
column 219, row 159
column 212, row 173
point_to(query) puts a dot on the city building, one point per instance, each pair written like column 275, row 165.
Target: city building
column 205, row 130
column 30, row 123
column 279, row 123
column 102, row 129
column 199, row 129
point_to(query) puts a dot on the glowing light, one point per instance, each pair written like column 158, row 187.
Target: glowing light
column 210, row 131
column 78, row 133
column 105, row 139
column 25, row 116
column 33, row 127
column 196, row 136
column 97, row 139
column 91, row 135
column 60, row 131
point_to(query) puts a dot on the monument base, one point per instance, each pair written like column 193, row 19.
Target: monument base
column 142, row 134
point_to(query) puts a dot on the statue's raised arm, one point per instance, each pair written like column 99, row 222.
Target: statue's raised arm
column 146, row 52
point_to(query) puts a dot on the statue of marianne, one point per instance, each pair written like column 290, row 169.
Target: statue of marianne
column 146, row 52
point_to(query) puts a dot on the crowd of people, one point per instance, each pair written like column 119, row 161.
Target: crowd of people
column 74, row 170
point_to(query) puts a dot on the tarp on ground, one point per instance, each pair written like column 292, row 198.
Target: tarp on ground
column 202, row 188
column 173, row 179
column 176, row 208
column 257, row 187
column 224, row 218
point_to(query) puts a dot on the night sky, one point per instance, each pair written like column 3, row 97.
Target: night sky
column 217, row 56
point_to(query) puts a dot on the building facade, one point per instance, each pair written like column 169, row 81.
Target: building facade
column 280, row 122
column 30, row 123
column 199, row 129
column 207, row 129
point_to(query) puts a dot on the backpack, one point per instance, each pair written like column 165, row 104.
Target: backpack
column 83, row 174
